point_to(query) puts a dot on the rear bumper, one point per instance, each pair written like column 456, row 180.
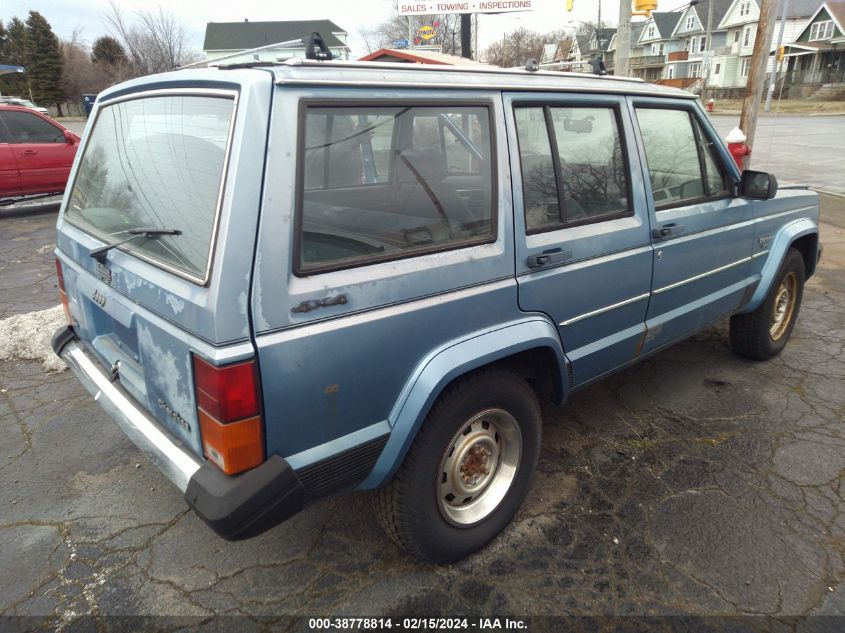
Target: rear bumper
column 235, row 507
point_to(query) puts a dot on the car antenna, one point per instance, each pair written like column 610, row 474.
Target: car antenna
column 315, row 48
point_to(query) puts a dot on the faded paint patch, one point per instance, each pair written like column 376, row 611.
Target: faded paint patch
column 176, row 304
column 163, row 372
column 27, row 337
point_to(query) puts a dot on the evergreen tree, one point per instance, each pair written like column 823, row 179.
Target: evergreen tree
column 14, row 53
column 107, row 50
column 45, row 61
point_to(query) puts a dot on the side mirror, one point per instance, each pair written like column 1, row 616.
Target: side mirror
column 758, row 185
column 70, row 137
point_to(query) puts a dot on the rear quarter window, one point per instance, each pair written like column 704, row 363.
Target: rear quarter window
column 386, row 182
column 156, row 162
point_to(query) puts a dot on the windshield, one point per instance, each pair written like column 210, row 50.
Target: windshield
column 155, row 162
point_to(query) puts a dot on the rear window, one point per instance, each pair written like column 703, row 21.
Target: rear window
column 156, row 162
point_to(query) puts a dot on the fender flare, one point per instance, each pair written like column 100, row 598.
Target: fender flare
column 446, row 363
column 777, row 252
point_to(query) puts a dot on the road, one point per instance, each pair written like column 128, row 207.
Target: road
column 807, row 149
column 694, row 483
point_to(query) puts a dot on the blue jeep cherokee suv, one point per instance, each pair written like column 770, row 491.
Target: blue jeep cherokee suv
column 286, row 281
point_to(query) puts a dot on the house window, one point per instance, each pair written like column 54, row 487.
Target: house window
column 718, row 68
column 821, row 31
column 743, row 67
column 702, row 42
column 690, row 45
column 651, row 31
column 747, row 37
column 690, row 22
column 736, row 36
column 694, row 70
column 671, row 73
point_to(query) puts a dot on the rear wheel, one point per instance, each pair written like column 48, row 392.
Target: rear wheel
column 468, row 469
column 763, row 333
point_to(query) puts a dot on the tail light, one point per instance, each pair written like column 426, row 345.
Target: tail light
column 229, row 413
column 62, row 293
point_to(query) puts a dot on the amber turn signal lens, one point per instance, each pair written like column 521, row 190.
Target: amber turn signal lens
column 234, row 447
column 62, row 293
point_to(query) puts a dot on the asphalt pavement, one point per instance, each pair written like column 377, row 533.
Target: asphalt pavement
column 797, row 148
column 695, row 483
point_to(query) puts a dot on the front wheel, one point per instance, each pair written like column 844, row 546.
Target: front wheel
column 763, row 333
column 468, row 469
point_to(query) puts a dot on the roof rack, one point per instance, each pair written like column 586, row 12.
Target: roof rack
column 296, row 61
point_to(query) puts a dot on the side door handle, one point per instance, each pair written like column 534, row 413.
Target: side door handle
column 551, row 256
column 666, row 230
column 29, row 152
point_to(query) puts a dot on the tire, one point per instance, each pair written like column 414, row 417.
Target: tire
column 488, row 421
column 763, row 333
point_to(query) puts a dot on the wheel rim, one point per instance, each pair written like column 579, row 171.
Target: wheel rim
column 784, row 306
column 478, row 467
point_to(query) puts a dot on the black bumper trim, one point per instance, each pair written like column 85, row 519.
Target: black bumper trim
column 62, row 337
column 242, row 506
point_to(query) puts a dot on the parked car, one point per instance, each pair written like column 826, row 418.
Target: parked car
column 36, row 153
column 283, row 282
column 25, row 103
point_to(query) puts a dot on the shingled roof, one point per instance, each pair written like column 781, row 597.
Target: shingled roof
column 238, row 36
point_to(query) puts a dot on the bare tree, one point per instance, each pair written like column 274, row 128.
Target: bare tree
column 518, row 46
column 156, row 43
column 168, row 35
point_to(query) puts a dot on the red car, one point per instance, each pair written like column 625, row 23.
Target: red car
column 35, row 153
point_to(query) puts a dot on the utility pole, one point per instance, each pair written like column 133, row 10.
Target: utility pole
column 757, row 74
column 775, row 72
column 410, row 32
column 708, row 46
column 466, row 35
column 623, row 40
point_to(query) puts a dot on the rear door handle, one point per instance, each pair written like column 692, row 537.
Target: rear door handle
column 29, row 152
column 666, row 230
column 551, row 256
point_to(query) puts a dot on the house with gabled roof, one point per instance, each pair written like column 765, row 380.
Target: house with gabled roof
column 817, row 55
column 648, row 53
column 226, row 39
column 732, row 62
column 610, row 58
column 684, row 67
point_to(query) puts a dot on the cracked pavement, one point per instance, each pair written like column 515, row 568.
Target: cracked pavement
column 695, row 483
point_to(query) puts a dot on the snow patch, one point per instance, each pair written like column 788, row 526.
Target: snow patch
column 27, row 337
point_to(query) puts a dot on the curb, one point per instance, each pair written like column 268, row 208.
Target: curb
column 30, row 210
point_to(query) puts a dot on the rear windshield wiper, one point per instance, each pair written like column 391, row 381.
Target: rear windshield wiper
column 100, row 253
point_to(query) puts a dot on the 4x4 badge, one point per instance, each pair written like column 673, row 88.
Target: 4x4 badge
column 99, row 299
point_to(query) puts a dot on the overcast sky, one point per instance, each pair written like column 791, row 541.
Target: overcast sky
column 350, row 15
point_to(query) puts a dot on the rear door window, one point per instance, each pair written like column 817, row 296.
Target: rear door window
column 156, row 162
column 29, row 128
column 382, row 183
column 573, row 166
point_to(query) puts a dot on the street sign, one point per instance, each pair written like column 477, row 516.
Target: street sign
column 400, row 43
column 427, row 32
column 439, row 7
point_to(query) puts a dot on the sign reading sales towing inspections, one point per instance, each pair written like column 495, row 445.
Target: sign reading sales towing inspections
column 435, row 7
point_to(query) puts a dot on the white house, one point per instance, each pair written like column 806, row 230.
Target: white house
column 228, row 38
column 732, row 62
